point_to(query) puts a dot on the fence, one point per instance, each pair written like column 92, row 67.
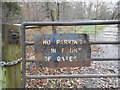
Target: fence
column 26, row 43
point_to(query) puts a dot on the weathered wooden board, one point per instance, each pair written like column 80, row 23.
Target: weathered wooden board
column 62, row 50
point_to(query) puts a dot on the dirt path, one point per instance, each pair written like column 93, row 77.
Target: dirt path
column 104, row 67
column 108, row 34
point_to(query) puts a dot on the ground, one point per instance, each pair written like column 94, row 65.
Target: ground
column 104, row 67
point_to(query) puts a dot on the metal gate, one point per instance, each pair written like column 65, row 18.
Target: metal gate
column 26, row 43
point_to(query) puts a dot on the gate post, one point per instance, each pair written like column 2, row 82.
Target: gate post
column 11, row 52
column 0, row 44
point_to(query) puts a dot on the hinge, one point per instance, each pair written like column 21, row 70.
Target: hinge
column 14, row 36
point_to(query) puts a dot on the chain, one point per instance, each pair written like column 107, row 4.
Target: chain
column 2, row 63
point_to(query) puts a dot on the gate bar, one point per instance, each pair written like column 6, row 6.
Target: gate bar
column 106, row 42
column 90, row 22
column 23, row 56
column 105, row 59
column 98, row 42
column 92, row 59
column 72, row 76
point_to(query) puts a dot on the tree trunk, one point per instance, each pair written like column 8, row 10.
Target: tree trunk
column 58, row 11
column 53, row 17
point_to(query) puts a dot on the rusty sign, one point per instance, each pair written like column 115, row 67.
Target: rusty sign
column 62, row 50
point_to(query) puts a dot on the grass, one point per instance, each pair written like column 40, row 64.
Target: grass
column 85, row 29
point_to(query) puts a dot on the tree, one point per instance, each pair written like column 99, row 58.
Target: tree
column 11, row 12
column 116, row 11
column 33, row 11
column 58, row 10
